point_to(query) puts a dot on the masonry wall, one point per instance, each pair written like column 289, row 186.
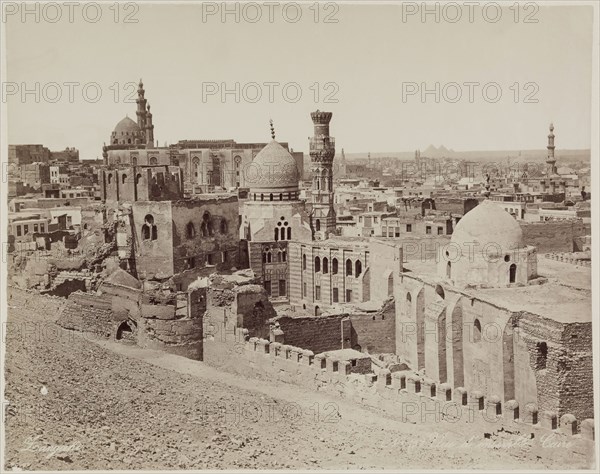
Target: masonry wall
column 375, row 333
column 316, row 334
column 89, row 313
column 553, row 236
column 219, row 245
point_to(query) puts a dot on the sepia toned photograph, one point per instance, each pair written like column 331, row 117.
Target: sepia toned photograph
column 292, row 236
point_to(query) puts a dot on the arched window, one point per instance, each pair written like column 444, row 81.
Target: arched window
column 223, row 228
column 284, row 256
column 303, row 262
column 334, row 266
column 317, row 264
column 190, row 230
column 281, row 196
column 440, row 291
column 279, row 256
column 282, row 233
column 325, row 265
column 137, row 178
column 129, row 141
column 348, row 267
column 512, row 273
column 123, row 178
column 271, row 197
column 448, row 270
column 206, row 226
column 276, row 234
column 149, row 230
column 476, row 331
column 289, row 233
column 318, row 225
column 153, row 160
column 269, row 257
column 262, row 197
column 109, row 178
column 358, row 268
column 264, row 257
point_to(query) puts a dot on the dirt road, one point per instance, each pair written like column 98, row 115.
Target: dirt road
column 78, row 403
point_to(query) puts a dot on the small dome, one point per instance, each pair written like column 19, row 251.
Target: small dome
column 273, row 169
column 127, row 125
column 488, row 223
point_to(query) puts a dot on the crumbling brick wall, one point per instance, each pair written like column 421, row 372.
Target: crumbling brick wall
column 553, row 236
column 375, row 333
column 316, row 334
column 89, row 313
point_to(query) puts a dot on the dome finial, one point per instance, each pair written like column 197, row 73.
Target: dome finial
column 272, row 129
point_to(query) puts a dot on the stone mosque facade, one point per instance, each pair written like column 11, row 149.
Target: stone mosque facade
column 207, row 165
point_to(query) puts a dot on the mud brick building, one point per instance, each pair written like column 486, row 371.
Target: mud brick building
column 486, row 322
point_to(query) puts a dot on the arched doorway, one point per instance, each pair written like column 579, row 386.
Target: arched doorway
column 126, row 332
column 512, row 273
column 317, row 311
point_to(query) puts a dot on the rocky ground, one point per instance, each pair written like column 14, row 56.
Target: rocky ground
column 77, row 403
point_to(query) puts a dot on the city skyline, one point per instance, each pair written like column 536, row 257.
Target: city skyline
column 186, row 106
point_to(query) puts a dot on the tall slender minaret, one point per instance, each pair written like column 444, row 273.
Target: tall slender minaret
column 149, row 129
column 322, row 151
column 141, row 107
column 551, row 160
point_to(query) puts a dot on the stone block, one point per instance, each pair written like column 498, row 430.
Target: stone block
column 512, row 410
column 384, row 377
column 262, row 346
column 413, row 384
column 398, row 380
column 307, row 357
column 344, row 367
column 460, row 396
column 320, row 361
column 370, row 379
column 444, row 392
column 275, row 349
column 549, row 420
column 429, row 388
column 587, row 429
column 493, row 407
column 530, row 414
column 478, row 400
column 568, row 424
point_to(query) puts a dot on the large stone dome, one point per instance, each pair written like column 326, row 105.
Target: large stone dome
column 127, row 125
column 488, row 226
column 273, row 170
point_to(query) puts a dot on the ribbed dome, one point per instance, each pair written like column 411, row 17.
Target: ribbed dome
column 273, row 169
column 488, row 223
column 127, row 125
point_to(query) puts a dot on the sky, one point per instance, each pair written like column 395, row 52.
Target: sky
column 368, row 68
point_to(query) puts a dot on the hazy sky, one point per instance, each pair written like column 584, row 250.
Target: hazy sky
column 372, row 54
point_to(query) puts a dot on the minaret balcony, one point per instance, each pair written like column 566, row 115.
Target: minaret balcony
column 322, row 144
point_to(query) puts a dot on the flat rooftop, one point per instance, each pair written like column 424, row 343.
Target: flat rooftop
column 566, row 297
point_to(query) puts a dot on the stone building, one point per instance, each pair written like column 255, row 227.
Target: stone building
column 272, row 216
column 206, row 164
column 481, row 320
column 159, row 233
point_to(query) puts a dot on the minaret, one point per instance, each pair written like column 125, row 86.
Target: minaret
column 551, row 160
column 322, row 151
column 141, row 107
column 149, row 129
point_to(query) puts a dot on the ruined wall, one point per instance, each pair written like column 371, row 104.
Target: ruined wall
column 316, row 334
column 375, row 333
column 553, row 236
column 89, row 313
column 165, row 325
